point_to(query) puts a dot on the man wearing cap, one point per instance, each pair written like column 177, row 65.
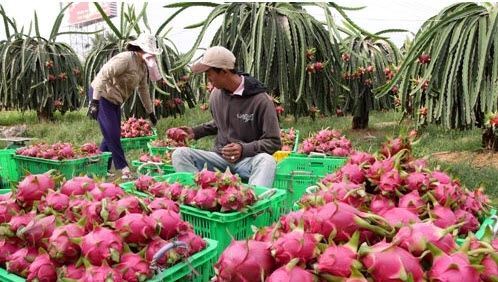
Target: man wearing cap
column 244, row 121
column 114, row 84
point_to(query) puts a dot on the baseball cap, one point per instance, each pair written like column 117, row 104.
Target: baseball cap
column 148, row 43
column 216, row 57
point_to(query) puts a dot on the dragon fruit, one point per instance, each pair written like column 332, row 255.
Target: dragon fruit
column 389, row 262
column 442, row 216
column 129, row 204
column 451, row 267
column 136, row 228
column 163, row 203
column 412, row 201
column 244, row 260
column 8, row 247
column 470, row 222
column 194, row 242
column 102, row 245
column 133, row 268
column 416, row 236
column 170, row 222
column 60, row 244
column 206, row 199
column 291, row 273
column 42, row 269
column 295, row 244
column 232, row 200
column 417, row 180
column 338, row 260
column 38, row 230
column 17, row 221
column 71, row 271
column 107, row 190
column 206, row 178
column 169, row 258
column 33, row 187
column 102, row 273
column 77, row 185
column 144, row 182
column 55, row 201
column 19, row 261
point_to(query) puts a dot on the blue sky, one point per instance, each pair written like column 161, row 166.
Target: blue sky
column 378, row 15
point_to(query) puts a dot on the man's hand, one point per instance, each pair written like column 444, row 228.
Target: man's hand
column 153, row 119
column 93, row 109
column 232, row 152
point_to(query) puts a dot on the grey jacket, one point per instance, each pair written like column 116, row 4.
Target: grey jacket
column 119, row 77
column 250, row 120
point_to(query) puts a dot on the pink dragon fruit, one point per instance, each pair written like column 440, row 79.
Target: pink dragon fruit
column 76, row 207
column 136, row 228
column 102, row 245
column 8, row 247
column 173, row 191
column 71, row 271
column 206, row 178
column 412, row 201
column 417, row 180
column 194, row 242
column 470, row 222
column 232, row 200
column 338, row 260
column 102, row 273
column 295, row 244
column 38, row 230
column 416, row 236
column 442, row 216
column 490, row 263
column 267, row 233
column 399, row 216
column 244, row 260
column 18, row 262
column 291, row 273
column 77, row 185
column 8, row 208
column 227, row 179
column 55, row 201
column 353, row 172
column 133, row 268
column 33, row 187
column 389, row 262
column 61, row 246
column 42, row 269
column 144, row 182
column 171, row 256
column 170, row 222
column 107, row 190
column 163, row 203
column 17, row 221
column 452, row 267
column 390, row 181
column 129, row 204
column 380, row 203
column 206, row 199
column 100, row 212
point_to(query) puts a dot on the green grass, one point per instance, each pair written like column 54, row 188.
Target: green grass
column 76, row 128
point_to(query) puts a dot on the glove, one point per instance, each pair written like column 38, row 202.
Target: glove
column 153, row 119
column 93, row 109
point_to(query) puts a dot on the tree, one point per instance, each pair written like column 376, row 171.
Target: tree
column 281, row 44
column 39, row 73
column 449, row 74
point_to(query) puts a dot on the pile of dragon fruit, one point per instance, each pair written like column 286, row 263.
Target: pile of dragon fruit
column 330, row 142
column 211, row 191
column 165, row 158
column 382, row 217
column 136, row 127
column 87, row 230
column 174, row 137
column 289, row 138
column 59, row 151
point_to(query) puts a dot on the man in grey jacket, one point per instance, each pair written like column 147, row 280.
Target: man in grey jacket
column 244, row 121
column 114, row 84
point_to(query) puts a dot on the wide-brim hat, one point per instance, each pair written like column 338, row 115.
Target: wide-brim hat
column 215, row 57
column 148, row 43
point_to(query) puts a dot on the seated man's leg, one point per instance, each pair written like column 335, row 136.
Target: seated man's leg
column 260, row 170
column 186, row 159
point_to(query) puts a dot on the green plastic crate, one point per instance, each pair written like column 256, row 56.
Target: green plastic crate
column 152, row 168
column 158, row 151
column 223, row 226
column 137, row 142
column 91, row 166
column 202, row 262
column 295, row 174
column 280, row 155
column 8, row 168
column 489, row 222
